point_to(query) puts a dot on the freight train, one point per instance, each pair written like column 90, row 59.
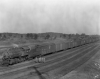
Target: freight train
column 20, row 54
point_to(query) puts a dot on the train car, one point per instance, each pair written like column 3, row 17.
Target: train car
column 61, row 45
column 64, row 45
column 44, row 48
column 68, row 44
column 79, row 42
column 72, row 44
column 58, row 46
column 75, row 44
column 52, row 48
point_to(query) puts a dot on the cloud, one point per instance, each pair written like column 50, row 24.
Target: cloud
column 65, row 16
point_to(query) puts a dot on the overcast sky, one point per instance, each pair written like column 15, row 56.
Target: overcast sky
column 36, row 16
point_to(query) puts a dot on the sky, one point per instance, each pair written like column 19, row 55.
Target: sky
column 38, row 16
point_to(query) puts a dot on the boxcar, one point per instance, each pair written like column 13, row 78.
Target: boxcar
column 57, row 46
column 53, row 47
column 64, row 46
column 72, row 44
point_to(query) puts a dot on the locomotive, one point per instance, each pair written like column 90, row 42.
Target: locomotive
column 20, row 54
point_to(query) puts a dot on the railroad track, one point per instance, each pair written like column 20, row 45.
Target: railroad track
column 69, row 60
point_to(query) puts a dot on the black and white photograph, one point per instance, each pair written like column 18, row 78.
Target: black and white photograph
column 49, row 39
